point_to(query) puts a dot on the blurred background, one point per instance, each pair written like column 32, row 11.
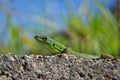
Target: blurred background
column 87, row 26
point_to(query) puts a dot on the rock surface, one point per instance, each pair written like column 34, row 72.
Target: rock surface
column 57, row 68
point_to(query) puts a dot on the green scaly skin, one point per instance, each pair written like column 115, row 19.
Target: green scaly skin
column 61, row 48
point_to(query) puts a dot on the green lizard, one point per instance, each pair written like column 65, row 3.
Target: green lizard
column 61, row 48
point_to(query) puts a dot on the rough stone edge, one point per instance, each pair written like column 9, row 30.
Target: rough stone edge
column 58, row 67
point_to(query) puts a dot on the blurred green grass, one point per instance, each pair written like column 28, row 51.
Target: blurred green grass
column 99, row 36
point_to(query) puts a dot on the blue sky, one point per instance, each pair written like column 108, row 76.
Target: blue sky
column 51, row 9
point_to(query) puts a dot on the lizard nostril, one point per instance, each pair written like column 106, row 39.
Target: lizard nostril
column 35, row 37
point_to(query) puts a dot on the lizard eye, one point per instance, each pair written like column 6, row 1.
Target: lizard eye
column 44, row 38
